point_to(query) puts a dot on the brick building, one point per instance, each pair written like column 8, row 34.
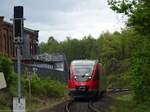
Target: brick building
column 28, row 49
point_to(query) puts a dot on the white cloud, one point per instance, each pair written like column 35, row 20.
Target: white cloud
column 62, row 18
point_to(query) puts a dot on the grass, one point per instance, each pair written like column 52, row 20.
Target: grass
column 126, row 103
column 126, row 98
column 36, row 104
column 50, row 102
column 5, row 109
column 123, row 104
column 45, row 93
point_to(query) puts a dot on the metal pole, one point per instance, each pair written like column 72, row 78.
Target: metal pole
column 19, row 71
column 30, row 100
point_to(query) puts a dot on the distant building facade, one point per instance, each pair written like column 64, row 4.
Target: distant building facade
column 28, row 49
column 55, row 61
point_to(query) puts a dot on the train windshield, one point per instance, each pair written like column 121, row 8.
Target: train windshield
column 83, row 70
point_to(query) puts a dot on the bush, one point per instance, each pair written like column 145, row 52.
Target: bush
column 46, row 87
column 141, row 72
column 40, row 88
column 6, row 67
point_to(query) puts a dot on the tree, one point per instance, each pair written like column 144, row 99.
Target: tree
column 52, row 46
column 138, row 12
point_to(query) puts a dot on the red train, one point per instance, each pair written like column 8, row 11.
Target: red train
column 86, row 78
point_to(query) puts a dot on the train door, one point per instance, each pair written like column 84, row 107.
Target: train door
column 103, row 79
column 98, row 74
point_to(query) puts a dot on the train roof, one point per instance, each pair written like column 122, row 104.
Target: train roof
column 84, row 62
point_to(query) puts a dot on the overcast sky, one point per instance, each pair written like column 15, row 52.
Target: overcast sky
column 63, row 18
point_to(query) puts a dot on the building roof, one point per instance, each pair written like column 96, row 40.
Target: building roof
column 26, row 29
column 45, row 57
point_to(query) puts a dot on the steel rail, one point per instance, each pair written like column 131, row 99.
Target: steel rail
column 92, row 107
column 68, row 105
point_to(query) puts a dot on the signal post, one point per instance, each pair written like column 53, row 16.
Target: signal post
column 18, row 27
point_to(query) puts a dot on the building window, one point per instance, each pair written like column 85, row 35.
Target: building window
column 11, row 46
column 5, row 42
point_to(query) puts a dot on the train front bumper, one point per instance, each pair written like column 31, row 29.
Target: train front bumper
column 83, row 93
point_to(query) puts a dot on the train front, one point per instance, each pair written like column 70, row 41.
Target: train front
column 83, row 81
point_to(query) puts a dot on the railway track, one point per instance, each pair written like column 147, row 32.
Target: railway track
column 92, row 105
column 68, row 105
column 112, row 92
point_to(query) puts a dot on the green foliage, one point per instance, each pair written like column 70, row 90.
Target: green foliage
column 42, row 87
column 143, row 107
column 111, row 49
column 126, row 103
column 138, row 12
column 123, row 103
column 141, row 70
column 123, row 6
column 6, row 66
column 39, row 87
column 5, row 94
column 45, row 87
column 139, row 19
column 52, row 46
column 73, row 48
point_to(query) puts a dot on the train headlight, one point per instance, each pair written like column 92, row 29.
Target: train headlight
column 75, row 77
column 90, row 77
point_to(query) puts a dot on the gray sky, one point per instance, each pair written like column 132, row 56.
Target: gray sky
column 62, row 18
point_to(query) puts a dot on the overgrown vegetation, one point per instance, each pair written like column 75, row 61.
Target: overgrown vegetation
column 42, row 89
column 138, row 12
column 125, row 103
